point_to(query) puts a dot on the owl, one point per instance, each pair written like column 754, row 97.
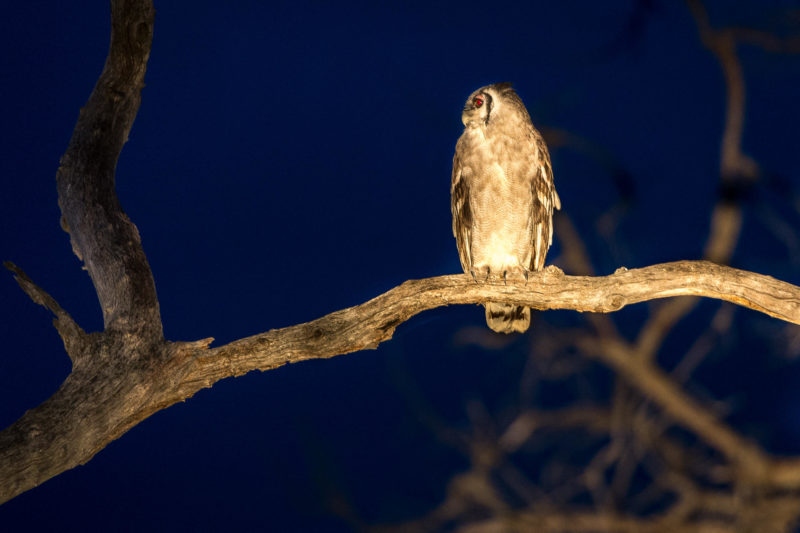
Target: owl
column 502, row 196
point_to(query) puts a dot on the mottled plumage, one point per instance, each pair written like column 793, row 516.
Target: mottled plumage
column 502, row 196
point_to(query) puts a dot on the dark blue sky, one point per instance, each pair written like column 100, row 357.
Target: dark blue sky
column 293, row 158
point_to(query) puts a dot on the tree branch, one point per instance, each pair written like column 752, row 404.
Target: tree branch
column 369, row 324
column 106, row 396
column 69, row 331
column 101, row 233
column 111, row 370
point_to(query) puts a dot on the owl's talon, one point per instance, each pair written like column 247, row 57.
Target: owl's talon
column 515, row 274
column 480, row 274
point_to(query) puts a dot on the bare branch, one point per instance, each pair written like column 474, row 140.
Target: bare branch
column 755, row 465
column 734, row 164
column 114, row 390
column 101, row 233
column 71, row 333
column 369, row 324
column 720, row 324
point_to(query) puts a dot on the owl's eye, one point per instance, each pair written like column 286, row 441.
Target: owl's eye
column 477, row 101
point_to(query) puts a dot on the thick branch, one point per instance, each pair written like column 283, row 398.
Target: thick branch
column 110, row 388
column 369, row 324
column 108, row 394
column 102, row 235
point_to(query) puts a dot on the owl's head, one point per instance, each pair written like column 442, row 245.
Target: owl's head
column 489, row 102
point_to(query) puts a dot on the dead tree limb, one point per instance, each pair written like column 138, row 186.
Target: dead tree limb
column 115, row 384
column 102, row 235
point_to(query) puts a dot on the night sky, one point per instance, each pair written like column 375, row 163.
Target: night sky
column 293, row 158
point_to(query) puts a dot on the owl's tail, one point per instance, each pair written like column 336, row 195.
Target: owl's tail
column 507, row 318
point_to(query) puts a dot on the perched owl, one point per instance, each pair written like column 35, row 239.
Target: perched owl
column 502, row 196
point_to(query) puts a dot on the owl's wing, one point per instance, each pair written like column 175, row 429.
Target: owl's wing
column 544, row 199
column 462, row 214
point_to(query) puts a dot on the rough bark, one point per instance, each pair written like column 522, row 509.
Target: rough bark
column 101, row 233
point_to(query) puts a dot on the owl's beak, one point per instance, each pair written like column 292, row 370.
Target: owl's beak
column 465, row 114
